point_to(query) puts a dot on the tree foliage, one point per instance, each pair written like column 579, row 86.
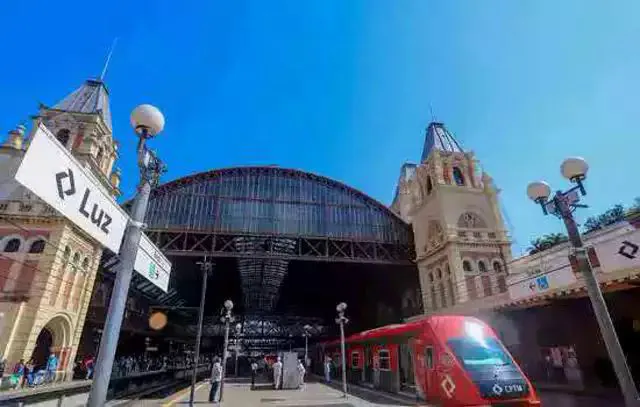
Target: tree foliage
column 616, row 214
column 546, row 242
column 609, row 217
column 635, row 208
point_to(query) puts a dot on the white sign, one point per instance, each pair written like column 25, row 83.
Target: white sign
column 152, row 264
column 542, row 283
column 620, row 253
column 51, row 172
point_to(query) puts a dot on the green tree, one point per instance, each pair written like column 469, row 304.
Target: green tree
column 611, row 216
column 635, row 208
column 546, row 242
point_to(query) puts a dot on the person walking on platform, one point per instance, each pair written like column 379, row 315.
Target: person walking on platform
column 301, row 373
column 254, row 371
column 327, row 369
column 216, row 378
column 277, row 374
column 51, row 367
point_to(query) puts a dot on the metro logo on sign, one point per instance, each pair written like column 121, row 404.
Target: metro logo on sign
column 98, row 216
column 52, row 173
column 72, row 185
column 152, row 264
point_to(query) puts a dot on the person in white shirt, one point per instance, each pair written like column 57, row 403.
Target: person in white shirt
column 301, row 372
column 254, row 371
column 277, row 373
column 216, row 378
column 327, row 369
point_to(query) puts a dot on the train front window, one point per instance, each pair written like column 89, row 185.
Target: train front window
column 474, row 353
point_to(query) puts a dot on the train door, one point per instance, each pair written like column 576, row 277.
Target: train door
column 424, row 353
column 429, row 369
column 407, row 380
column 368, row 365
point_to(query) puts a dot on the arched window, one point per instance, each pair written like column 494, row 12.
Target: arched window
column 63, row 136
column 466, row 266
column 85, row 264
column 457, row 176
column 439, row 273
column 76, row 261
column 12, row 246
column 431, row 277
column 482, row 267
column 37, row 246
column 447, row 270
column 67, row 253
column 429, row 185
column 497, row 267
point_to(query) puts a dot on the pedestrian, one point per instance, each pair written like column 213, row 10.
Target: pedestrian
column 216, row 378
column 327, row 369
column 3, row 366
column 88, row 366
column 254, row 371
column 28, row 373
column 301, row 372
column 52, row 366
column 277, row 374
column 18, row 373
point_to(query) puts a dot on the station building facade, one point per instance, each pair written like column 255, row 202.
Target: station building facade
column 47, row 265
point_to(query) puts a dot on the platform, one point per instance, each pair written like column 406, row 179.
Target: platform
column 313, row 394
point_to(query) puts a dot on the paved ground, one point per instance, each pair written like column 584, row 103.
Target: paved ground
column 320, row 395
column 552, row 399
column 314, row 394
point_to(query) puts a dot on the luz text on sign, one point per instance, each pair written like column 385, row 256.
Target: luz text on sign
column 53, row 174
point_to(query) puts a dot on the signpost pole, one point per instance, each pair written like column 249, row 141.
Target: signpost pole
column 206, row 266
column 148, row 122
column 109, row 341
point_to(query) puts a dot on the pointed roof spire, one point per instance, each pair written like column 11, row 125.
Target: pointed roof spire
column 439, row 138
column 91, row 97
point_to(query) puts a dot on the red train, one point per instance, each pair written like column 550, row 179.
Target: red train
column 449, row 360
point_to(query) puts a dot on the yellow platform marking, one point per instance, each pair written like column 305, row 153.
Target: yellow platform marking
column 183, row 393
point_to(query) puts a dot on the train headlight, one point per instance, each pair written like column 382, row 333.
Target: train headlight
column 474, row 331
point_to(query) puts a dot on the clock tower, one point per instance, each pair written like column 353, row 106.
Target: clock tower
column 462, row 246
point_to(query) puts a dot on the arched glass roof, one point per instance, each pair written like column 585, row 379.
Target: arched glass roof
column 272, row 200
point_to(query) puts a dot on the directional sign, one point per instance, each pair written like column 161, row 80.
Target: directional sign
column 51, row 172
column 620, row 253
column 530, row 286
column 152, row 264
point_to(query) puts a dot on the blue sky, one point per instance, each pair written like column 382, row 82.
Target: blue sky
column 343, row 88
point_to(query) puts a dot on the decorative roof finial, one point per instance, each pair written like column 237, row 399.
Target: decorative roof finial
column 106, row 63
column 16, row 137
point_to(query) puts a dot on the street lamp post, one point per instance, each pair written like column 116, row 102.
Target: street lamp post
column 147, row 122
column 306, row 334
column 341, row 320
column 206, row 267
column 227, row 318
column 562, row 205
